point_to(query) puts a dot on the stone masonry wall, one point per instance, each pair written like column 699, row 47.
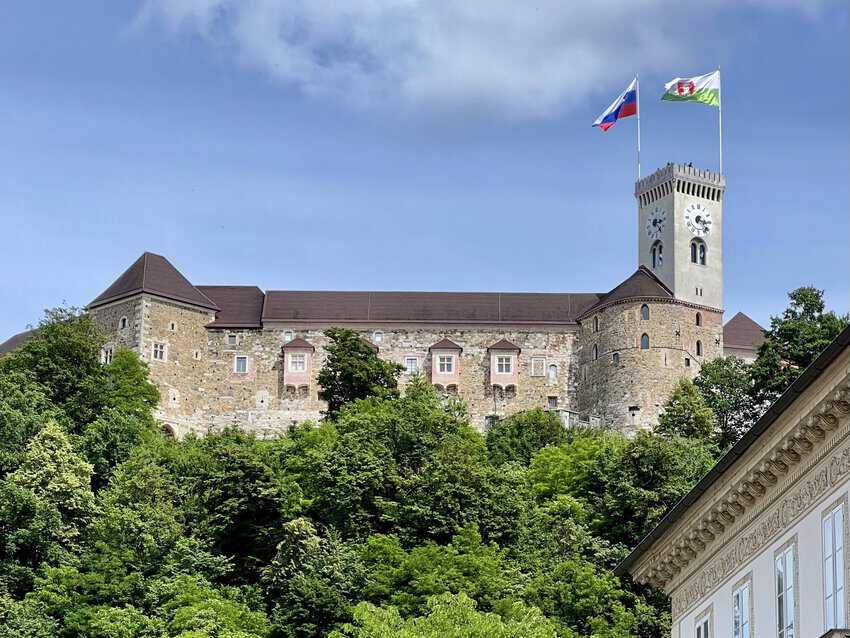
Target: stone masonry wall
column 630, row 394
column 108, row 319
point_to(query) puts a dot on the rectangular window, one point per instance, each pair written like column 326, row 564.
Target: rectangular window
column 231, row 340
column 702, row 628
column 298, row 362
column 552, row 403
column 411, row 365
column 504, row 364
column 159, row 352
column 538, row 366
column 445, row 364
column 106, row 356
column 785, row 594
column 741, row 612
column 833, row 568
column 240, row 365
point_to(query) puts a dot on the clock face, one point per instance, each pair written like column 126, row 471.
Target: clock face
column 698, row 219
column 655, row 223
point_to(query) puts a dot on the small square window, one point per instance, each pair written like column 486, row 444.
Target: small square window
column 445, row 364
column 240, row 365
column 288, row 335
column 411, row 365
column 298, row 362
column 538, row 366
column 687, row 362
column 231, row 340
column 159, row 352
column 552, row 403
column 377, row 336
column 504, row 364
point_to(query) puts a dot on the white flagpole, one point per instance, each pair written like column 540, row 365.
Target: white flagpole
column 637, row 87
column 720, row 116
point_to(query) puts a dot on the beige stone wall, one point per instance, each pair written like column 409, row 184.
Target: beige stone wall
column 108, row 319
column 629, row 394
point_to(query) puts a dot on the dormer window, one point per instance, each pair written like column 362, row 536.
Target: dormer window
column 445, row 364
column 504, row 364
column 297, row 362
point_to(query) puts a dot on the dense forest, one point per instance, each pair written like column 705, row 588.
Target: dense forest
column 392, row 517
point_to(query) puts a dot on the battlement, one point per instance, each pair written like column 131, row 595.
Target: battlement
column 683, row 178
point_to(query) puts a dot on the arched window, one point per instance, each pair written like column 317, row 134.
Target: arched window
column 644, row 341
column 657, row 255
column 698, row 252
column 699, row 318
column 123, row 323
column 595, row 352
column 644, row 312
column 699, row 348
column 596, row 323
column 553, row 372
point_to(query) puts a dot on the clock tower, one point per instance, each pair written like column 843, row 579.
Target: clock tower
column 680, row 217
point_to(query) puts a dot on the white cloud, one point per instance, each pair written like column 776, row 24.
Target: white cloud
column 526, row 58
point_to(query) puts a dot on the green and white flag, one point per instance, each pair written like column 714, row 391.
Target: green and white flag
column 702, row 88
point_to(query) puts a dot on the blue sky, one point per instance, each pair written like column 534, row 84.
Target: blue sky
column 416, row 146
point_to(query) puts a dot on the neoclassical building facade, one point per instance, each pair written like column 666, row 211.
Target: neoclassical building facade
column 226, row 355
column 757, row 548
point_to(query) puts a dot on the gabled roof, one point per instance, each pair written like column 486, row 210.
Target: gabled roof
column 239, row 306
column 504, row 344
column 742, row 332
column 155, row 275
column 642, row 283
column 16, row 341
column 298, row 342
column 445, row 344
column 680, row 509
column 440, row 307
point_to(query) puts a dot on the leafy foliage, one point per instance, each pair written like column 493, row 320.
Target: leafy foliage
column 354, row 371
column 727, row 389
column 520, row 436
column 686, row 414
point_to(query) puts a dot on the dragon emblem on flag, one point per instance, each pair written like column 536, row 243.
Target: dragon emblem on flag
column 685, row 87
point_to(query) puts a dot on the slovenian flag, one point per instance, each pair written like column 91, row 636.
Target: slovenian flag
column 623, row 106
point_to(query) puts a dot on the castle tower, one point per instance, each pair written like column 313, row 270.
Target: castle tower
column 680, row 229
column 665, row 320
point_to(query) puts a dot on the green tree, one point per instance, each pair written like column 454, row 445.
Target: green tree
column 793, row 341
column 63, row 357
column 45, row 505
column 448, row 616
column 727, row 389
column 353, row 370
column 128, row 388
column 24, row 409
column 518, row 437
column 108, row 440
column 21, row 619
column 312, row 583
column 686, row 414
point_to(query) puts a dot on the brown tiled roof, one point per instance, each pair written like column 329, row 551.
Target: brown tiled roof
column 445, row 344
column 16, row 341
column 153, row 274
column 298, row 342
column 742, row 332
column 504, row 344
column 239, row 306
column 642, row 283
column 438, row 307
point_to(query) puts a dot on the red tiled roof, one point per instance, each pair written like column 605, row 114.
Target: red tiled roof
column 445, row 344
column 742, row 332
column 239, row 306
column 642, row 283
column 504, row 344
column 153, row 274
column 298, row 342
column 438, row 307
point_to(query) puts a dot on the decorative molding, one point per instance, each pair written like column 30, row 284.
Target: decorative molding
column 776, row 471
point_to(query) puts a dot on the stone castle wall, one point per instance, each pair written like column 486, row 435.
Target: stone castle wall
column 630, row 393
column 201, row 391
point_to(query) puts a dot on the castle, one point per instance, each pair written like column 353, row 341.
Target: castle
column 235, row 355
